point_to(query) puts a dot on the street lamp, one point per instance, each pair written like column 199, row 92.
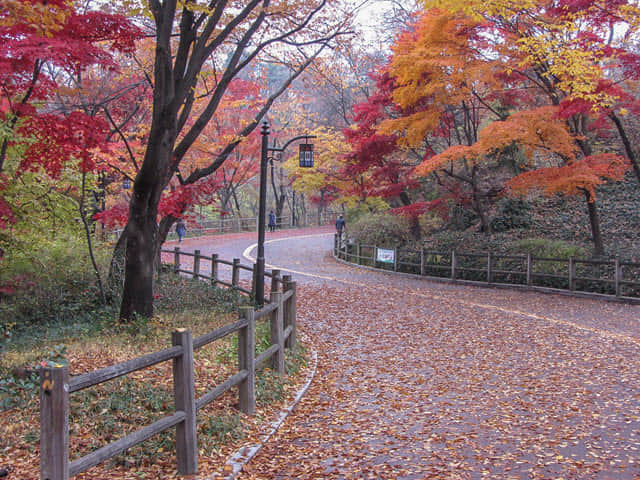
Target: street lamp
column 306, row 161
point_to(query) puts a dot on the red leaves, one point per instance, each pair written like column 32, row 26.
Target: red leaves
column 42, row 44
column 116, row 216
column 72, row 46
column 415, row 210
column 572, row 178
column 377, row 155
column 58, row 139
column 179, row 200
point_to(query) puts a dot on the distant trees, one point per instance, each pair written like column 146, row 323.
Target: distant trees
column 48, row 146
column 189, row 38
column 539, row 85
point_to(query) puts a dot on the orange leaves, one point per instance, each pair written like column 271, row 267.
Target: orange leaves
column 450, row 155
column 572, row 178
column 440, row 60
column 415, row 126
column 537, row 130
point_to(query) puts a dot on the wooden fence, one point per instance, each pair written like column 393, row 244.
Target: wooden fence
column 56, row 385
column 613, row 279
column 246, row 224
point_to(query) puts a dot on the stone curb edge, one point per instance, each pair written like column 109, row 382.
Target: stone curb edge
column 246, row 453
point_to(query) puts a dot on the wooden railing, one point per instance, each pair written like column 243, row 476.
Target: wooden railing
column 56, row 385
column 246, row 224
column 198, row 270
column 613, row 279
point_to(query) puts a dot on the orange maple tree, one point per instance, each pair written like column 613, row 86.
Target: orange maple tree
column 532, row 75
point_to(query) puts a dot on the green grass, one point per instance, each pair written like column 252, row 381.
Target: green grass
column 101, row 414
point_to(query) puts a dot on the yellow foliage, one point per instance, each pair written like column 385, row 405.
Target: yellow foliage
column 412, row 128
column 551, row 44
column 44, row 19
column 329, row 146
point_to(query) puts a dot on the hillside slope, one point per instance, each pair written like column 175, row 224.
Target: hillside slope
column 564, row 219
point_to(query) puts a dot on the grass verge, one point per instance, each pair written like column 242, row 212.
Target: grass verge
column 106, row 412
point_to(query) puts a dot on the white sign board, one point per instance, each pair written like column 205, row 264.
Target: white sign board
column 385, row 256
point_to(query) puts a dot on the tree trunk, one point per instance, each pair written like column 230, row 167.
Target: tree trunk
column 294, row 221
column 485, row 225
column 594, row 221
column 592, row 208
column 279, row 197
column 137, row 296
column 142, row 229
column 627, row 145
column 163, row 231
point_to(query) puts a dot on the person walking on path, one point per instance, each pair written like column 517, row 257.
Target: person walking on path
column 340, row 225
column 181, row 229
column 272, row 221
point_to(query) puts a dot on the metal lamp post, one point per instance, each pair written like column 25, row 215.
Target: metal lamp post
column 306, row 161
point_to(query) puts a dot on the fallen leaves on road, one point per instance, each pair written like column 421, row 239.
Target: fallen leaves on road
column 413, row 388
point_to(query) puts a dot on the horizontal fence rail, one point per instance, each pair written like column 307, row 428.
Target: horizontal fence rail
column 612, row 279
column 56, row 385
column 247, row 224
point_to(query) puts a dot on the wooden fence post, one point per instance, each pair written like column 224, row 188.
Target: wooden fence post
column 453, row 265
column 54, row 423
column 196, row 264
column 618, row 277
column 176, row 259
column 358, row 254
column 290, row 311
column 275, row 280
column 529, row 270
column 395, row 259
column 214, row 269
column 235, row 273
column 489, row 267
column 185, row 400
column 335, row 244
column 277, row 332
column 246, row 361
column 572, row 273
column 422, row 259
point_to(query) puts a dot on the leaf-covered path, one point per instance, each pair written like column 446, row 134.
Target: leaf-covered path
column 425, row 380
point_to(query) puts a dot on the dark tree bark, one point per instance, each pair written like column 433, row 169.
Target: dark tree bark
column 196, row 37
column 598, row 244
column 627, row 145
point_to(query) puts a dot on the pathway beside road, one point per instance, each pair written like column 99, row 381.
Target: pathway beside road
column 429, row 380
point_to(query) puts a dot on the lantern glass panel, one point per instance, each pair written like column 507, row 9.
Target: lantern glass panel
column 306, row 155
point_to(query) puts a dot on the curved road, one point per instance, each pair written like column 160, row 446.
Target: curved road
column 418, row 379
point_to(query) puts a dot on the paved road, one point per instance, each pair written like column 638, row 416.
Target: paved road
column 427, row 380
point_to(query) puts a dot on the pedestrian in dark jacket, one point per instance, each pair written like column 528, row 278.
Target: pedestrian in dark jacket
column 272, row 221
column 340, row 225
column 181, row 229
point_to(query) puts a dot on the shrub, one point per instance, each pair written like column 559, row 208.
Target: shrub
column 543, row 247
column 53, row 286
column 381, row 229
column 460, row 218
column 512, row 213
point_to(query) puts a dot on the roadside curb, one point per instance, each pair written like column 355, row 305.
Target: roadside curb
column 245, row 454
